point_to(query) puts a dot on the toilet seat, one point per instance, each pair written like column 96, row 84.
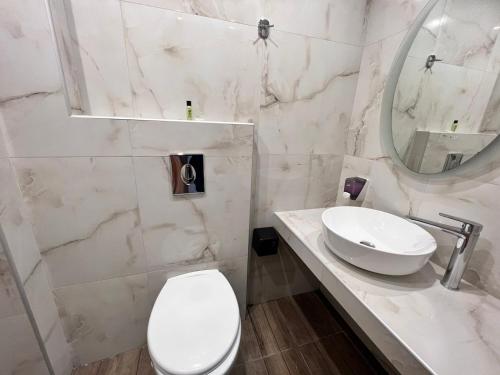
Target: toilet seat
column 194, row 326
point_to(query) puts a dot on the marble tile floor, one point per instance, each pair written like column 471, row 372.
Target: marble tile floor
column 302, row 334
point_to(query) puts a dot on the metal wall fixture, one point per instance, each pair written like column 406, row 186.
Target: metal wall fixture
column 263, row 30
column 187, row 174
column 429, row 63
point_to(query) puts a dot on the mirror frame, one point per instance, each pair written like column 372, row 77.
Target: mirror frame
column 485, row 159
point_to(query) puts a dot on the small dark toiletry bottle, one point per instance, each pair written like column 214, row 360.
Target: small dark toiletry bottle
column 189, row 110
column 454, row 126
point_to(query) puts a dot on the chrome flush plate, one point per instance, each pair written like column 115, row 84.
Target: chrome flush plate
column 187, row 174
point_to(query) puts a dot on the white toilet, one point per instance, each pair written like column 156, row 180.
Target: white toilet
column 195, row 325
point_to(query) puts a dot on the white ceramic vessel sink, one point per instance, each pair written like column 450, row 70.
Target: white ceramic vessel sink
column 377, row 241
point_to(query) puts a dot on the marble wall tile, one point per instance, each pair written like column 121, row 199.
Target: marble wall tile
column 389, row 17
column 15, row 223
column 491, row 118
column 104, row 318
column 323, row 180
column 177, row 57
column 306, row 101
column 475, row 201
column 410, row 108
column 59, row 351
column 28, row 264
column 433, row 101
column 64, row 32
column 469, row 33
column 494, row 63
column 41, row 301
column 32, row 102
column 161, row 138
column 10, row 300
column 280, row 185
column 244, row 11
column 103, row 59
column 194, row 229
column 364, row 130
column 468, row 91
column 325, row 19
column 235, row 270
column 28, row 65
column 427, row 37
column 286, row 182
column 94, row 200
column 38, row 125
column 392, row 190
column 19, row 350
column 42, row 304
column 341, row 21
column 3, row 145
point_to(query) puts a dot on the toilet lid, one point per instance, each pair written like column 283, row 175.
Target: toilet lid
column 194, row 323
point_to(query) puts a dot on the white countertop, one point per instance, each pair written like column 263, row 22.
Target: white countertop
column 446, row 332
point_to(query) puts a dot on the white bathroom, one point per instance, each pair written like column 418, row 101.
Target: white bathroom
column 252, row 187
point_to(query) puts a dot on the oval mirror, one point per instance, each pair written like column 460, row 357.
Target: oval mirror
column 446, row 103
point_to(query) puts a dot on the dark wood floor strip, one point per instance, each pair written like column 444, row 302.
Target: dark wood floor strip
column 299, row 335
column 257, row 367
column 276, row 365
column 295, row 362
column 278, row 325
column 122, row 364
column 145, row 367
column 299, row 329
column 90, row 369
column 263, row 332
column 249, row 345
column 316, row 362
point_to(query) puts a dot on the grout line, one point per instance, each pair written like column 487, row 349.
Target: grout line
column 392, row 35
column 163, row 268
column 133, row 98
column 163, row 155
column 216, row 19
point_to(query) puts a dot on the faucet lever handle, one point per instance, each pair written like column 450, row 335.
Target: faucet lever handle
column 476, row 227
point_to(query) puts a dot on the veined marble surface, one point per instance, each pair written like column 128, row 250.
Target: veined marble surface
column 446, row 332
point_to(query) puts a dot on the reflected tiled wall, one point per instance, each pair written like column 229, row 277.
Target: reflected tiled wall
column 390, row 189
column 461, row 86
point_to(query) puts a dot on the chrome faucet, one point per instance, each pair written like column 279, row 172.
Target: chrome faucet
column 467, row 234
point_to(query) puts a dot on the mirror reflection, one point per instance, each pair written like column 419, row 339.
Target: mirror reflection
column 447, row 104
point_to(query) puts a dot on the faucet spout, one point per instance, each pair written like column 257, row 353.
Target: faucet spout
column 450, row 229
column 468, row 235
